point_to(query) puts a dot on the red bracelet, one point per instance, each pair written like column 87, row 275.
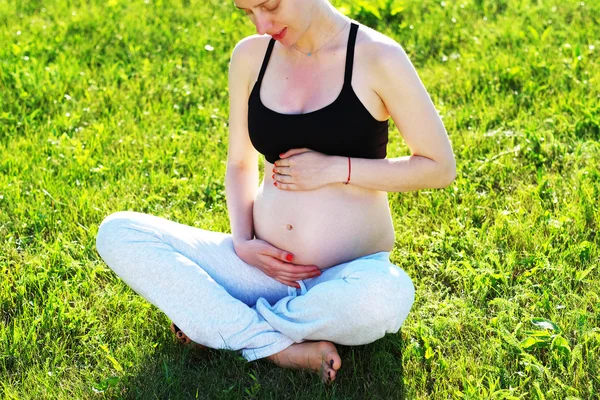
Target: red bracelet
column 349, row 169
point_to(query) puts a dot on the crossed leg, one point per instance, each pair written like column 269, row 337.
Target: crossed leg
column 195, row 277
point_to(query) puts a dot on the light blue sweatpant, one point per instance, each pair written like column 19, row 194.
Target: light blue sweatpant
column 195, row 277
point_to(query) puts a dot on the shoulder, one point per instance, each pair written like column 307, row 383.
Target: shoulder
column 381, row 49
column 250, row 50
column 248, row 46
column 247, row 55
column 387, row 59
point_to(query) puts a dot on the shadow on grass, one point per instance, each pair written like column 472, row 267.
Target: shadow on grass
column 372, row 371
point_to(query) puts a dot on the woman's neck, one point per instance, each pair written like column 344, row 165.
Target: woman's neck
column 326, row 22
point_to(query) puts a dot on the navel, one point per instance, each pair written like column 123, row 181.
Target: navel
column 289, row 227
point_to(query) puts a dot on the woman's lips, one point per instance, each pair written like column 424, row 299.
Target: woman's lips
column 280, row 36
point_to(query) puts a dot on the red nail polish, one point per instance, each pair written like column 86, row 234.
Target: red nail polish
column 273, row 176
column 289, row 257
column 275, row 183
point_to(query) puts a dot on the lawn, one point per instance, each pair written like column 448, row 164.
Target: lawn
column 123, row 105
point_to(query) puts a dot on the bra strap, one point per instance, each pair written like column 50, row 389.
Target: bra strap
column 350, row 54
column 265, row 61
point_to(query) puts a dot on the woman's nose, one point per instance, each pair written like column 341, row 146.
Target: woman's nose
column 263, row 24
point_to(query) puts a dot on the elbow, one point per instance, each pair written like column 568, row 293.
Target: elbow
column 452, row 177
column 447, row 174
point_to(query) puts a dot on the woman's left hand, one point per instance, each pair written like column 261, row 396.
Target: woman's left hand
column 304, row 169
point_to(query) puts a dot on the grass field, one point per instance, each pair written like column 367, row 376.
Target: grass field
column 115, row 105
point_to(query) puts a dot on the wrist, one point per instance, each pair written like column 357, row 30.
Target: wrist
column 340, row 173
column 239, row 239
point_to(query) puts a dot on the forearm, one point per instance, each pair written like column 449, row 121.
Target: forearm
column 403, row 174
column 241, row 185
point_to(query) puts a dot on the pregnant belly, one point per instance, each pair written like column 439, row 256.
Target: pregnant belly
column 326, row 226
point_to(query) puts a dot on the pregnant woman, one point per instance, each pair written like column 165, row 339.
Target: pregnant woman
column 307, row 263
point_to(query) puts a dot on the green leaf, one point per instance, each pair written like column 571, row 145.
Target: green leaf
column 369, row 8
column 538, row 391
column 113, row 380
column 428, row 353
column 582, row 274
column 530, row 342
column 397, row 10
column 533, row 32
column 514, row 71
column 538, row 334
column 115, row 363
column 546, row 33
column 545, row 324
column 102, row 386
column 561, row 344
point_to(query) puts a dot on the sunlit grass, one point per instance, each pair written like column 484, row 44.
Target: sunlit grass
column 115, row 105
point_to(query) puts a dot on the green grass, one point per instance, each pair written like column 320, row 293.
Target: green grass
column 107, row 106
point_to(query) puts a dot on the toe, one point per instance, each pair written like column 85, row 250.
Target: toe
column 334, row 360
column 326, row 377
column 329, row 373
column 332, row 375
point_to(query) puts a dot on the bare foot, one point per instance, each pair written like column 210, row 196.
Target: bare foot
column 182, row 337
column 321, row 357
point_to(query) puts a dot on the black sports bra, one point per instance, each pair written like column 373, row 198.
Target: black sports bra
column 344, row 127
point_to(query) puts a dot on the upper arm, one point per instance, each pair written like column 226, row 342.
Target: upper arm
column 410, row 106
column 240, row 150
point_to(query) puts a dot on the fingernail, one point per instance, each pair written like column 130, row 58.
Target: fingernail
column 273, row 176
column 289, row 257
column 281, row 155
column 331, row 363
column 275, row 183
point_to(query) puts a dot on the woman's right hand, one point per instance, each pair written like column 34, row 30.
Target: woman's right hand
column 273, row 262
